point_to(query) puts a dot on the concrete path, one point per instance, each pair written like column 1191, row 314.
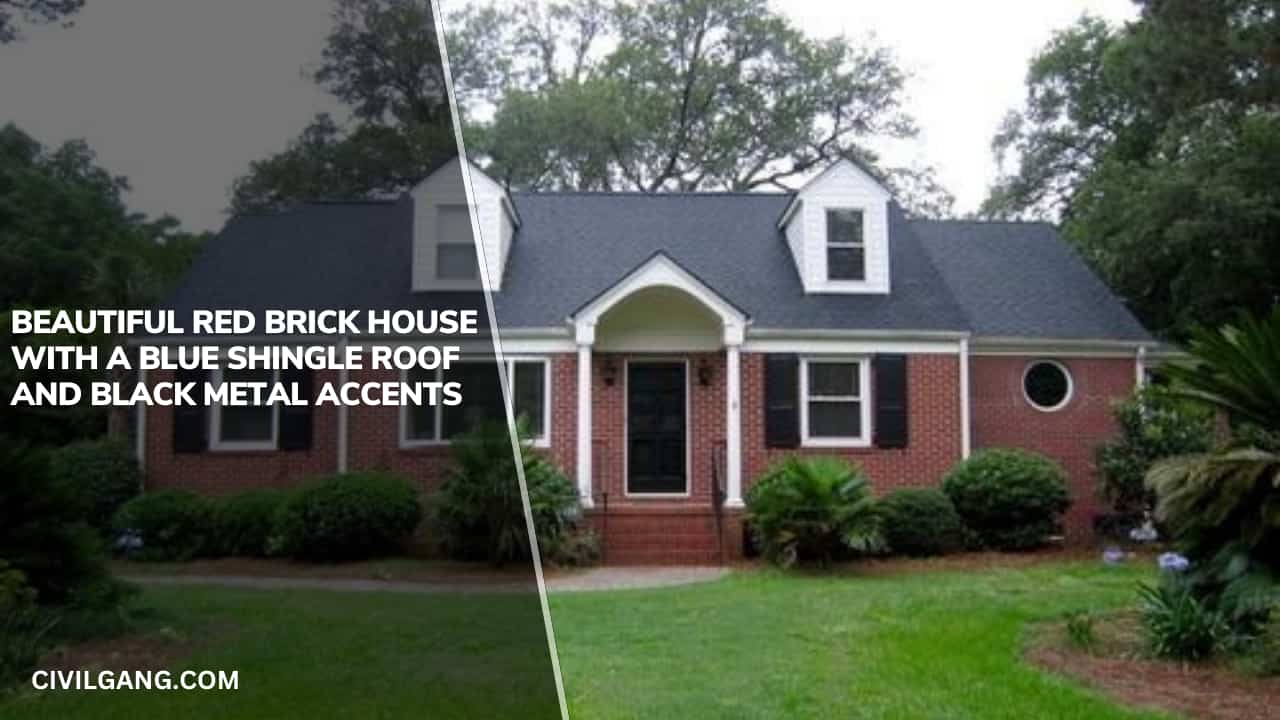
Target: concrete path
column 594, row 579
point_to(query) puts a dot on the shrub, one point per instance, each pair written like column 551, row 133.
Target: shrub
column 1153, row 424
column 348, row 516
column 23, row 626
column 478, row 510
column 172, row 524
column 1011, row 499
column 242, row 523
column 42, row 532
column 1266, row 653
column 1176, row 624
column 920, row 522
column 812, row 509
column 104, row 473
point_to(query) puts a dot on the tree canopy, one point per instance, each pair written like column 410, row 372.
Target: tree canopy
column 593, row 95
column 1154, row 145
column 15, row 13
column 67, row 240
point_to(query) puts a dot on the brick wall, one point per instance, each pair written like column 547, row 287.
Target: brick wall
column 1003, row 418
column 933, row 418
column 221, row 473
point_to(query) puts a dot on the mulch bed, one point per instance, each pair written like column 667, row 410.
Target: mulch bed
column 161, row 649
column 1116, row 668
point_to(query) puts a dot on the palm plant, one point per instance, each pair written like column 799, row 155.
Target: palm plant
column 1223, row 508
column 811, row 509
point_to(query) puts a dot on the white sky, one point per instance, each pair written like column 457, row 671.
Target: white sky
column 181, row 95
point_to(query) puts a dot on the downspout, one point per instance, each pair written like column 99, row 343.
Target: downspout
column 344, row 375
column 966, row 442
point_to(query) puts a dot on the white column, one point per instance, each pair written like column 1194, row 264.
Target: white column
column 1140, row 367
column 733, row 427
column 966, row 442
column 140, row 414
column 344, row 375
column 584, row 425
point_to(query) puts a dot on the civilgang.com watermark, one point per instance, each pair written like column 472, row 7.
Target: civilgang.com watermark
column 135, row 680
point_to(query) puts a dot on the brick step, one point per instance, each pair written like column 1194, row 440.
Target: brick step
column 663, row 540
column 662, row 557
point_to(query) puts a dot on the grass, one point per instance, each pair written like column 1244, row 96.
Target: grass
column 756, row 645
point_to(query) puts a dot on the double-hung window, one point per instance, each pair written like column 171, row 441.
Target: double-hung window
column 846, row 246
column 835, row 409
column 455, row 251
column 249, row 427
column 529, row 379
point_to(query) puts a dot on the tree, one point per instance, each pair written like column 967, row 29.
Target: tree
column 383, row 62
column 14, row 13
column 67, row 240
column 650, row 96
column 584, row 94
column 1151, row 144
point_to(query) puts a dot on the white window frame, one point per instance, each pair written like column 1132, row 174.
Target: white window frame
column 1066, row 399
column 442, row 241
column 826, row 256
column 217, row 444
column 863, row 399
column 543, row 441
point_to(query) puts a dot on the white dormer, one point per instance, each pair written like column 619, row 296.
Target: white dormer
column 444, row 255
column 837, row 227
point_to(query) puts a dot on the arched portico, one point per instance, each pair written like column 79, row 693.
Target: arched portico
column 660, row 307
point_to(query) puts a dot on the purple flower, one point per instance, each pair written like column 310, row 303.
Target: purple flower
column 1113, row 556
column 1173, row 562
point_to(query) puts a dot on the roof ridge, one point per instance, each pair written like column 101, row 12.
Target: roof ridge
column 979, row 221
column 660, row 194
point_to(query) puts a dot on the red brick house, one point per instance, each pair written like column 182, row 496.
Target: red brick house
column 666, row 347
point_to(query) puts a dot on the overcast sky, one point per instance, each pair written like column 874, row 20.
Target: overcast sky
column 180, row 95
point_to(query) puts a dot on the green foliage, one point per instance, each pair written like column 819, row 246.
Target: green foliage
column 1080, row 630
column 1162, row 177
column 1011, row 499
column 67, row 240
column 920, row 522
column 348, row 516
column 1177, row 625
column 242, row 523
column 585, row 95
column 23, row 627
column 1152, row 425
column 478, row 510
column 42, row 532
column 1223, row 508
column 1266, row 650
column 812, row 509
column 172, row 524
column 105, row 474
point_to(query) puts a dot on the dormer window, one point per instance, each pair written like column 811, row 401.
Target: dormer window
column 846, row 246
column 455, row 252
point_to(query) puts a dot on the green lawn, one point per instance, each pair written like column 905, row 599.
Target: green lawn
column 756, row 645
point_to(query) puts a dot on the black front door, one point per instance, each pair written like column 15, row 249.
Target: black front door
column 655, row 428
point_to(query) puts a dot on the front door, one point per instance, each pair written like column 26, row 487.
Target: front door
column 656, row 428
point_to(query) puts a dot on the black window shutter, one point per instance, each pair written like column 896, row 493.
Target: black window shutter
column 781, row 401
column 295, row 420
column 190, row 428
column 891, row 401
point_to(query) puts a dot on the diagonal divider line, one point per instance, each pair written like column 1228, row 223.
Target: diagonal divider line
column 504, row 381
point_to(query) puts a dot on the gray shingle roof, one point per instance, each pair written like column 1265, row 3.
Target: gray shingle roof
column 994, row 279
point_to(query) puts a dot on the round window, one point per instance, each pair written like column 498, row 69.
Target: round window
column 1046, row 385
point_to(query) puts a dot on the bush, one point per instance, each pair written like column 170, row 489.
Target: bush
column 1080, row 631
column 479, row 513
column 349, row 516
column 171, row 524
column 242, row 523
column 1153, row 424
column 104, row 473
column 23, row 626
column 1176, row 624
column 812, row 509
column 1010, row 499
column 42, row 532
column 920, row 522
